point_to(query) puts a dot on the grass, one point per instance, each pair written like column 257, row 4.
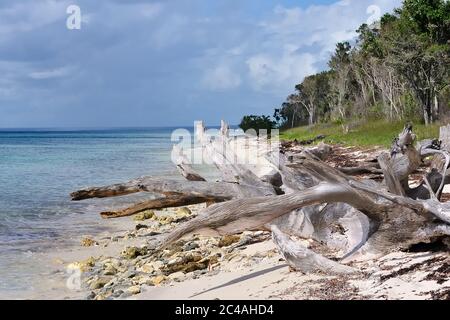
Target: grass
column 371, row 133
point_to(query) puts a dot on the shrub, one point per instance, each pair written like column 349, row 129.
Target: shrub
column 257, row 123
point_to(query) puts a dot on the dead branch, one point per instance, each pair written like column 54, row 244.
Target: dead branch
column 303, row 259
column 183, row 165
column 298, row 194
column 160, row 203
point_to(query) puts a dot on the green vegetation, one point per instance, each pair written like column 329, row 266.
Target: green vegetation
column 257, row 123
column 374, row 133
column 397, row 70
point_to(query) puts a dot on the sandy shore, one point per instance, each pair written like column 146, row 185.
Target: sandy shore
column 246, row 266
column 119, row 264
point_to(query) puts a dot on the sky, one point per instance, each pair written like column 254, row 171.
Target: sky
column 136, row 63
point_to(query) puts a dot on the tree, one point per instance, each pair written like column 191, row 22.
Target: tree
column 429, row 17
column 257, row 123
column 313, row 95
column 341, row 68
column 397, row 69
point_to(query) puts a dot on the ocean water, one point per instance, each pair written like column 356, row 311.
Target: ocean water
column 39, row 169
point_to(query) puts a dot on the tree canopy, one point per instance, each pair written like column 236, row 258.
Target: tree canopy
column 396, row 69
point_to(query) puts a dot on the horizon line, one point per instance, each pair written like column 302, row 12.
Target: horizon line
column 103, row 128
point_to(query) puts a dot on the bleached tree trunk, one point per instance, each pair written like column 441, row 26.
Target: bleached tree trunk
column 348, row 219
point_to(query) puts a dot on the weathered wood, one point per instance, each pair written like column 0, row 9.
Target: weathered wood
column 428, row 208
column 169, row 187
column 221, row 153
column 224, row 129
column 321, row 151
column 300, row 195
column 405, row 158
column 160, row 203
column 444, row 137
column 391, row 180
column 183, row 165
column 339, row 226
column 303, row 259
column 366, row 168
column 239, row 215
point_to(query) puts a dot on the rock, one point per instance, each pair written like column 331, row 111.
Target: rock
column 133, row 252
column 187, row 263
column 110, row 271
column 200, row 272
column 145, row 280
column 129, row 274
column 144, row 215
column 88, row 242
column 183, row 212
column 174, row 248
column 117, row 293
column 129, row 235
column 177, row 276
column 99, row 283
column 134, row 290
column 158, row 280
column 226, row 241
column 147, row 268
column 140, row 226
column 124, row 295
column 91, row 296
column 190, row 246
column 158, row 264
column 165, row 220
column 83, row 266
column 100, row 297
column 111, row 284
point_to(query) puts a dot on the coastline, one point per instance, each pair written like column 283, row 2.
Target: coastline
column 116, row 264
column 243, row 270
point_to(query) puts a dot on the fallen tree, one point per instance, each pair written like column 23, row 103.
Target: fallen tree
column 300, row 195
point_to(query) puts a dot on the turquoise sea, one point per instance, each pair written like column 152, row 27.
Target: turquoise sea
column 38, row 170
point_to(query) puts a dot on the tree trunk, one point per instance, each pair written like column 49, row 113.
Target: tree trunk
column 302, row 196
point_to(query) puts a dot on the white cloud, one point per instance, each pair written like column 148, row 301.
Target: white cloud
column 277, row 73
column 27, row 16
column 221, row 78
column 51, row 73
column 283, row 59
column 151, row 10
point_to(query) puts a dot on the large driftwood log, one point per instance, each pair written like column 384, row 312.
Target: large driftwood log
column 254, row 213
column 159, row 203
column 222, row 153
column 222, row 191
column 398, row 224
column 300, row 195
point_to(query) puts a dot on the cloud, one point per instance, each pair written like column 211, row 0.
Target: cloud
column 144, row 63
column 295, row 42
column 29, row 15
column 221, row 78
column 151, row 10
column 52, row 73
column 279, row 73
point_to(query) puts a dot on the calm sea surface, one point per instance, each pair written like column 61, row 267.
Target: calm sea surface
column 38, row 170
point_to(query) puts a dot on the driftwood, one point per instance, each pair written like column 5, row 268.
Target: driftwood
column 366, row 168
column 183, row 166
column 303, row 259
column 301, row 195
column 159, row 203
